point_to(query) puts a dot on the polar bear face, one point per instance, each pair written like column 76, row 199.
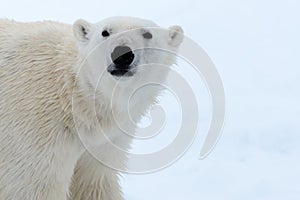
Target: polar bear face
column 120, row 54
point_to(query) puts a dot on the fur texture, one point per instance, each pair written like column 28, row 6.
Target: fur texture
column 40, row 149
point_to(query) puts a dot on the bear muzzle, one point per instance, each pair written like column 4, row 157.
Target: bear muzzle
column 122, row 61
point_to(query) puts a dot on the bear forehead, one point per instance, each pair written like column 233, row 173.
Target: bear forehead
column 126, row 23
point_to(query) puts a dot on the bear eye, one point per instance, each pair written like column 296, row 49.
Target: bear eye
column 105, row 33
column 147, row 35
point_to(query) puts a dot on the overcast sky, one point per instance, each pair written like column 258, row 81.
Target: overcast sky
column 256, row 47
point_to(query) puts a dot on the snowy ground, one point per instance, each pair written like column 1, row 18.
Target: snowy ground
column 256, row 47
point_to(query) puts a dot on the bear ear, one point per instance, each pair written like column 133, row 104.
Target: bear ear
column 175, row 35
column 81, row 29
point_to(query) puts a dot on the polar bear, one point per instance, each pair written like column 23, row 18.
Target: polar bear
column 54, row 79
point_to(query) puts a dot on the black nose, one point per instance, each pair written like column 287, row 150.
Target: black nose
column 122, row 56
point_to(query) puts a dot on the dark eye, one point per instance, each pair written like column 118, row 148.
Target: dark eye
column 147, row 35
column 105, row 33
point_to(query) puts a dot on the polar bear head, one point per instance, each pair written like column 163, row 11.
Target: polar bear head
column 120, row 54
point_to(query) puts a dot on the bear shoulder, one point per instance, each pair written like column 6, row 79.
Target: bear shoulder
column 37, row 63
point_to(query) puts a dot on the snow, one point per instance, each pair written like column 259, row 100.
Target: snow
column 255, row 46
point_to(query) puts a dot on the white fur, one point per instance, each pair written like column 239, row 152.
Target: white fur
column 45, row 101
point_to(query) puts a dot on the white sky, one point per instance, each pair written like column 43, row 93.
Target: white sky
column 256, row 47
